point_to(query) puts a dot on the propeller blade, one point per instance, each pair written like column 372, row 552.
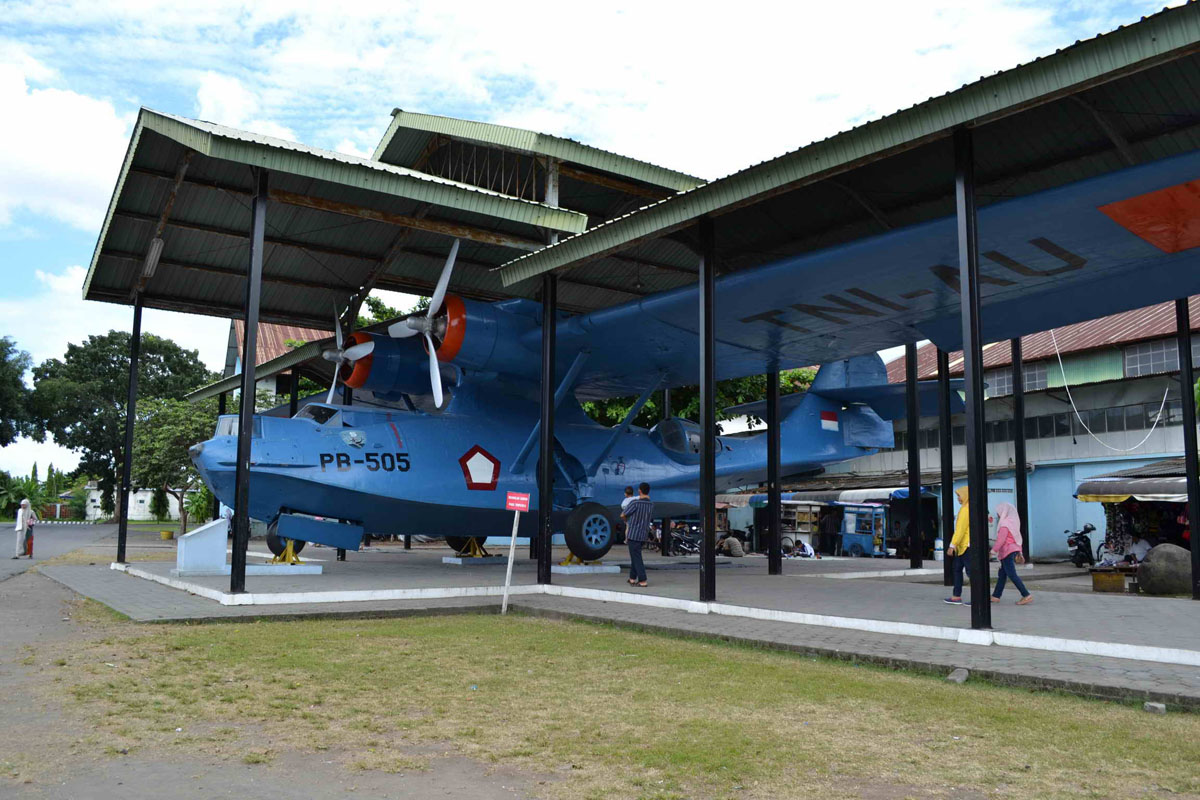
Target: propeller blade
column 439, row 292
column 359, row 351
column 332, row 387
column 401, row 330
column 435, row 374
column 337, row 328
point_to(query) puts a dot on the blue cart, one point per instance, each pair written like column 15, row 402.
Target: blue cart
column 864, row 529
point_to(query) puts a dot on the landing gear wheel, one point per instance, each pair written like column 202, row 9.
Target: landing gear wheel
column 591, row 531
column 277, row 544
column 460, row 544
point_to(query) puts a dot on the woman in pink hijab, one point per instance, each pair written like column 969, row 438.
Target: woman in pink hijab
column 1008, row 550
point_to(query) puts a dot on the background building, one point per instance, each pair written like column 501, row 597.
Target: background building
column 1120, row 373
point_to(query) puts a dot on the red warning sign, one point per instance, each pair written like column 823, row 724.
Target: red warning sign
column 517, row 502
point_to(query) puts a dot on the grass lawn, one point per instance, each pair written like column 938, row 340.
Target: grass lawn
column 602, row 712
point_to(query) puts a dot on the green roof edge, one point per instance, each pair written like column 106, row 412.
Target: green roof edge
column 542, row 144
column 229, row 144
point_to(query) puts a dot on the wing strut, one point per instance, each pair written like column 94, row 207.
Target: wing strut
column 564, row 386
column 624, row 426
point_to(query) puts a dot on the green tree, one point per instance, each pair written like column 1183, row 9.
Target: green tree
column 200, row 504
column 80, row 399
column 31, row 487
column 54, row 482
column 685, row 401
column 14, row 395
column 79, row 498
column 10, row 494
column 164, row 431
column 160, row 507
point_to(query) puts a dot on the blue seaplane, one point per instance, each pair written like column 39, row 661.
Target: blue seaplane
column 445, row 413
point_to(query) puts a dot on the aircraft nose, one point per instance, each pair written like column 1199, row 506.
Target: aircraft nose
column 196, row 450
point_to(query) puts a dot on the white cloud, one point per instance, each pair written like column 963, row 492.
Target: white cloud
column 60, row 151
column 55, row 315
column 224, row 100
column 709, row 91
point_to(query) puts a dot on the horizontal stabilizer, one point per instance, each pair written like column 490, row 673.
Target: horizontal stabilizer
column 888, row 399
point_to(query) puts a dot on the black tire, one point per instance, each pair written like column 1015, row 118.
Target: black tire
column 1077, row 559
column 461, row 543
column 591, row 531
column 277, row 544
column 856, row 550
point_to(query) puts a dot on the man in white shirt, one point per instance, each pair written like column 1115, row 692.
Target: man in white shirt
column 1138, row 550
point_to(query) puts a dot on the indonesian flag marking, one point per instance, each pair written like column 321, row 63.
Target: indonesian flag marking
column 829, row 421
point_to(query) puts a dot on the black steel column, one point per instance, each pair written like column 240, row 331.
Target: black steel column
column 294, row 394
column 667, row 540
column 135, row 348
column 916, row 537
column 946, row 452
column 708, row 415
column 347, row 395
column 1187, row 382
column 968, row 271
column 546, row 434
column 774, row 546
column 241, row 508
column 407, row 541
column 1022, row 482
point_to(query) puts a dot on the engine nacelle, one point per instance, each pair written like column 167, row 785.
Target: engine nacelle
column 395, row 366
column 486, row 337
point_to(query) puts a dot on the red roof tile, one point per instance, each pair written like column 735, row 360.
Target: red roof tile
column 272, row 339
column 1151, row 322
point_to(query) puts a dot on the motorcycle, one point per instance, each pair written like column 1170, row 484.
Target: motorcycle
column 1081, row 545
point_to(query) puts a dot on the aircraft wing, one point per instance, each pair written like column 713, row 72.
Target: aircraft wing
column 1085, row 250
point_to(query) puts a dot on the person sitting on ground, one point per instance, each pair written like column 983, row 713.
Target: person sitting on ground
column 804, row 550
column 1137, row 551
column 731, row 546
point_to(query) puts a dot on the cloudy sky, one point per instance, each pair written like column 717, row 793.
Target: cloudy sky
column 707, row 90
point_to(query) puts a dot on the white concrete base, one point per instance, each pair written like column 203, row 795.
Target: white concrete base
column 584, row 569
column 1164, row 655
column 881, row 573
column 275, row 570
column 474, row 561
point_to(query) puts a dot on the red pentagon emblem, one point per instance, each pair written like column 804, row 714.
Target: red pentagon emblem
column 480, row 468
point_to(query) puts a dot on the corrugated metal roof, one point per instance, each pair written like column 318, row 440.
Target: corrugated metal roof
column 1035, row 137
column 408, row 135
column 1167, row 468
column 1152, row 322
column 273, row 340
column 334, row 222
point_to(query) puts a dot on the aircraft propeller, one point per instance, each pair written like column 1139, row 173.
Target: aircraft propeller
column 340, row 356
column 417, row 324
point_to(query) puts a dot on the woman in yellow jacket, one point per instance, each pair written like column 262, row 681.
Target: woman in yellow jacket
column 959, row 545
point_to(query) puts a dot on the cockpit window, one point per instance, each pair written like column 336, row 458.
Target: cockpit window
column 228, row 426
column 679, row 435
column 322, row 415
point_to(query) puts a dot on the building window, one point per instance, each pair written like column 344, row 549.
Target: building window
column 1151, row 358
column 999, row 381
column 1035, row 376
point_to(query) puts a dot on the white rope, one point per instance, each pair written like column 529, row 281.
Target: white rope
column 1157, row 417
